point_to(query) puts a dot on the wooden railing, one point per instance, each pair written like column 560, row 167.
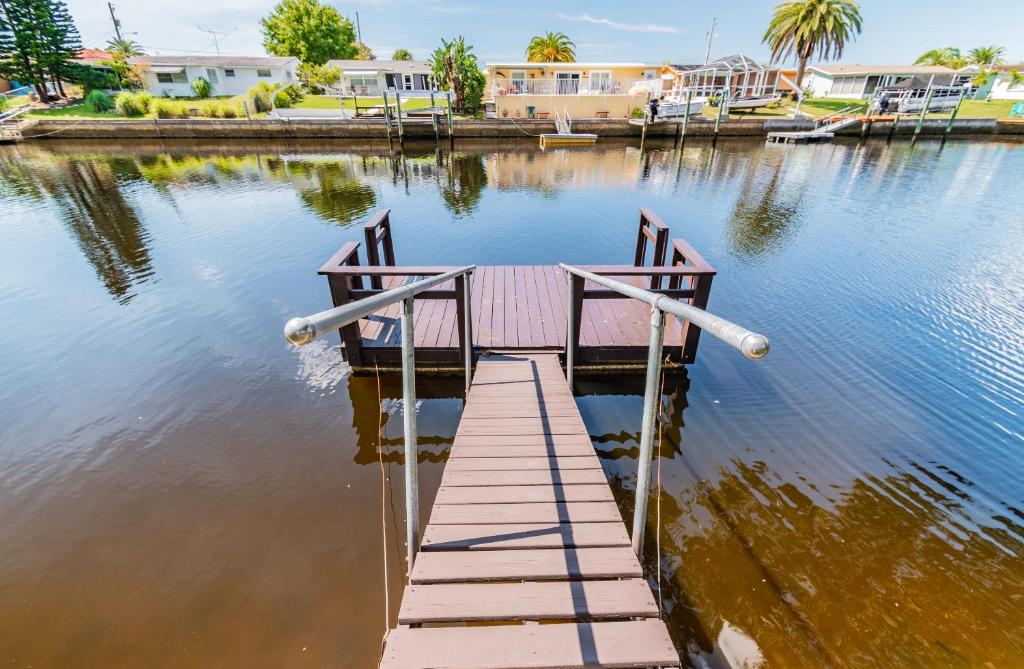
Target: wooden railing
column 651, row 229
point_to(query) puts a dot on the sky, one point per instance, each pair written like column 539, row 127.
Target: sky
column 655, row 31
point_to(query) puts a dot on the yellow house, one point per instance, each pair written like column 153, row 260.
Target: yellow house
column 583, row 90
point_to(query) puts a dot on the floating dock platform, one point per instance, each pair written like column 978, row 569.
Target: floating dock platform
column 567, row 139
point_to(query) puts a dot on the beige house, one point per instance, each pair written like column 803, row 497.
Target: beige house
column 583, row 90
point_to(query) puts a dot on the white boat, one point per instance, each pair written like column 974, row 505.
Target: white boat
column 673, row 107
column 752, row 101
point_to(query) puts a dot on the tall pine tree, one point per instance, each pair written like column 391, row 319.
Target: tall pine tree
column 38, row 39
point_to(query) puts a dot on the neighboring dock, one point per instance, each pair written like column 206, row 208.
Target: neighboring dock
column 525, row 529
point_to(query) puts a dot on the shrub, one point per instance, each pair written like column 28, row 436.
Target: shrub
column 201, row 87
column 131, row 104
column 259, row 97
column 224, row 109
column 164, row 108
column 5, row 103
column 98, row 101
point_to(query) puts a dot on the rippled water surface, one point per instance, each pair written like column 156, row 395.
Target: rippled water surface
column 180, row 488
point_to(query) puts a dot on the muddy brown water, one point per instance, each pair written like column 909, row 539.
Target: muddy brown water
column 181, row 488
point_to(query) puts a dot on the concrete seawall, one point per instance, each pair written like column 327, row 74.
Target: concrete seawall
column 484, row 129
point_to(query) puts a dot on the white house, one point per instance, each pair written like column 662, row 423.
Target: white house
column 172, row 76
column 861, row 81
column 371, row 77
column 1005, row 85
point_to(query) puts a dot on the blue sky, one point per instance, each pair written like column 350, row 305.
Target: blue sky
column 895, row 31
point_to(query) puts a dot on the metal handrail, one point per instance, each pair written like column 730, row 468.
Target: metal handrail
column 301, row 331
column 753, row 345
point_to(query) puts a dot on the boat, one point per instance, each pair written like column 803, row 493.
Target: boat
column 909, row 96
column 752, row 101
column 675, row 106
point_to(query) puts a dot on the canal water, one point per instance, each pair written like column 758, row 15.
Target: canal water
column 181, row 488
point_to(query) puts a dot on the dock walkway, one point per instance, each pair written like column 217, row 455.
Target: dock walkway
column 524, row 529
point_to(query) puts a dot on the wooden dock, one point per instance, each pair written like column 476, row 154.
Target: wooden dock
column 520, row 307
column 524, row 530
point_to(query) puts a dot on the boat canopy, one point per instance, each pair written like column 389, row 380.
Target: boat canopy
column 744, row 77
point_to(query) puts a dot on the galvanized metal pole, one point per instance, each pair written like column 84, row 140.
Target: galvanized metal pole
column 467, row 332
column 450, row 136
column 412, row 485
column 570, row 329
column 387, row 115
column 652, row 404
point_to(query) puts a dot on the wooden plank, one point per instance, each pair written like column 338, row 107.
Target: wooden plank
column 634, row 643
column 520, row 451
column 538, row 326
column 498, row 338
column 525, row 535
column 553, row 425
column 524, row 319
column 477, row 411
column 457, row 462
column 536, row 477
column 590, row 600
column 531, row 512
column 575, row 439
column 511, row 315
column 539, row 564
column 483, row 293
column 549, row 309
column 521, row 494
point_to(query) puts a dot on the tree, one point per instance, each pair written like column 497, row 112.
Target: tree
column 128, row 48
column 308, row 30
column 455, row 69
column 38, row 40
column 364, row 52
column 551, row 48
column 986, row 55
column 803, row 28
column 401, row 54
column 318, row 77
column 949, row 56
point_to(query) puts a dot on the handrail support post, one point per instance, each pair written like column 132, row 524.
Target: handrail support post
column 570, row 329
column 412, row 493
column 652, row 405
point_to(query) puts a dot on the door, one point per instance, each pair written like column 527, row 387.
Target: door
column 407, row 82
column 518, row 81
column 567, row 83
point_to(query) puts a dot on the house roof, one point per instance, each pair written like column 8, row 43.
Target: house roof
column 93, row 54
column 221, row 61
column 400, row 66
column 909, row 70
column 571, row 66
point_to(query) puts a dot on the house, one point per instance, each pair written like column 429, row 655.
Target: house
column 583, row 90
column 93, row 57
column 1007, row 84
column 861, row 81
column 172, row 76
column 371, row 77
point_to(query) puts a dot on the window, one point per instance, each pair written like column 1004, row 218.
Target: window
column 211, row 75
column 364, row 81
column 229, row 73
column 265, row 74
column 171, row 77
column 518, row 81
column 600, row 80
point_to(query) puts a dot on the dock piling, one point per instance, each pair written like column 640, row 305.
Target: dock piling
column 412, row 492
column 398, row 113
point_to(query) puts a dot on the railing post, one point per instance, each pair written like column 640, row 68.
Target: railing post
column 652, row 402
column 463, row 312
column 412, row 486
column 572, row 331
column 691, row 333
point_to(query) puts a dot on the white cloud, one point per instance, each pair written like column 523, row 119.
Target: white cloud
column 634, row 27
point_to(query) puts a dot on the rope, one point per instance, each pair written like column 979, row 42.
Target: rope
column 383, row 520
column 530, row 134
column 54, row 132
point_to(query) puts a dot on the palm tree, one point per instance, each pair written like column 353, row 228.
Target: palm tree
column 127, row 48
column 949, row 56
column 551, row 48
column 364, row 52
column 803, row 28
column 401, row 54
column 986, row 55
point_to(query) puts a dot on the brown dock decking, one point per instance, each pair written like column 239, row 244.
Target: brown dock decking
column 520, row 307
column 523, row 530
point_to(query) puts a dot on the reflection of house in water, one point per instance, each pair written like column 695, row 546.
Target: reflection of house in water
column 550, row 170
column 105, row 225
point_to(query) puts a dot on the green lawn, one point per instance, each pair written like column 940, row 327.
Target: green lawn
column 330, row 102
column 824, row 106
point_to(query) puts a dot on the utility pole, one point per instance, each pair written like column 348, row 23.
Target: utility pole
column 359, row 33
column 113, row 17
column 711, row 34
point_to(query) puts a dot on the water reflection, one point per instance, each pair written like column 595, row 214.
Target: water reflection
column 464, row 183
column 764, row 214
column 331, row 190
